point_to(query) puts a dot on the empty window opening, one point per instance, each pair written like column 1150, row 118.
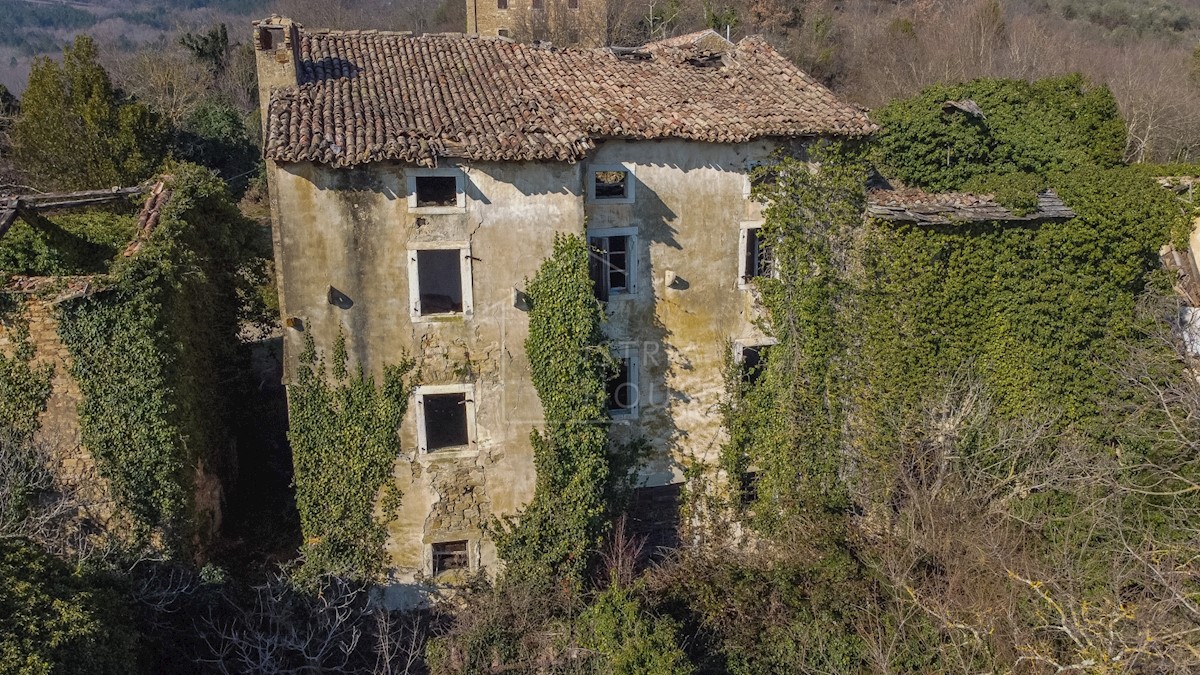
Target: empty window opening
column 270, row 38
column 503, row 32
column 754, row 362
column 622, row 388
column 610, row 266
column 611, row 184
column 439, row 277
column 758, row 260
column 445, row 421
column 748, row 488
column 539, row 4
column 450, row 555
column 572, row 4
column 501, row 4
column 437, row 191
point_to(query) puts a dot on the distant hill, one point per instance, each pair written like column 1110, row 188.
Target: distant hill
column 35, row 27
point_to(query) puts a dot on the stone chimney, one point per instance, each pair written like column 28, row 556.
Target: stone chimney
column 277, row 58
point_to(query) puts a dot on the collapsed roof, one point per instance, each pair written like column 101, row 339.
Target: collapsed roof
column 365, row 96
column 916, row 206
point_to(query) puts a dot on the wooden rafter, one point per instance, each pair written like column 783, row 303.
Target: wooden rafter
column 15, row 206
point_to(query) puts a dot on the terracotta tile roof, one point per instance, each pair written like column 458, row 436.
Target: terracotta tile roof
column 367, row 96
column 911, row 205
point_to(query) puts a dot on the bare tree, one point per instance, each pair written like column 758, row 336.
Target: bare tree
column 37, row 503
column 281, row 630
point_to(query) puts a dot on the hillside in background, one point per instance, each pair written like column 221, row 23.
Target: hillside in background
column 870, row 52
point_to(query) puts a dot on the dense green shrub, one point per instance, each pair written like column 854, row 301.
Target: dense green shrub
column 55, row 620
column 629, row 640
column 69, row 243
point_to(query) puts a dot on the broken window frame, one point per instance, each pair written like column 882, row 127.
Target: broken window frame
column 419, row 395
column 748, row 232
column 630, row 184
column 600, row 262
column 460, row 195
column 435, row 557
column 414, row 279
column 633, row 380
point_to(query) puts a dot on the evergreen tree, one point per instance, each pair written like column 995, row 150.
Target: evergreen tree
column 76, row 131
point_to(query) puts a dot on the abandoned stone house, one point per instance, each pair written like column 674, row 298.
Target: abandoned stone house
column 416, row 182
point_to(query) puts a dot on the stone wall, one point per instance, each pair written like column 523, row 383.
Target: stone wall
column 565, row 23
column 70, row 461
column 58, row 436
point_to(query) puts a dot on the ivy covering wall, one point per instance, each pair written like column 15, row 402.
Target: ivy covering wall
column 555, row 534
column 344, row 432
column 1005, row 341
column 155, row 353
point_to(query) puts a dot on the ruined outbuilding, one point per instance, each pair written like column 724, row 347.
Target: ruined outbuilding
column 92, row 513
column 416, row 182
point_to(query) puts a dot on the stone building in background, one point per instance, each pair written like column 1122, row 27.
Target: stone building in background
column 587, row 23
column 417, row 182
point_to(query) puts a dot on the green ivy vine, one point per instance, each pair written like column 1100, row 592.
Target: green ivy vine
column 570, row 362
column 787, row 424
column 344, row 433
column 155, row 353
column 24, row 386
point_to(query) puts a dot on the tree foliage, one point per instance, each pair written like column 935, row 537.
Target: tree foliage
column 75, row 131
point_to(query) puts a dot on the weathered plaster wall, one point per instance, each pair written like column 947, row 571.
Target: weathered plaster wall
column 690, row 202
column 351, row 230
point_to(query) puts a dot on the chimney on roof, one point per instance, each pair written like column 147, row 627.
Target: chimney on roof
column 276, row 56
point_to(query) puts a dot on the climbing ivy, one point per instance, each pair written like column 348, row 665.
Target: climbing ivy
column 553, row 536
column 344, row 432
column 24, row 386
column 155, row 352
column 1052, row 125
column 787, row 424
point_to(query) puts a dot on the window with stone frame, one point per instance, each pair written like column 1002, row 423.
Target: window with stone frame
column 610, row 184
column 439, row 276
column 755, row 259
column 450, row 555
column 445, row 418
